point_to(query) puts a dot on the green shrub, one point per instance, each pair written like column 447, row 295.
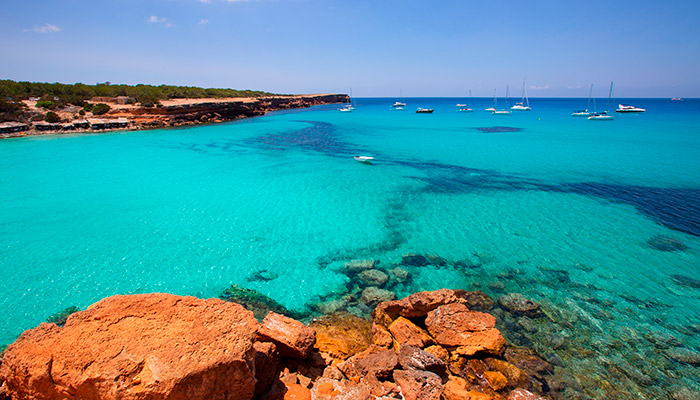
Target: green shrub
column 100, row 108
column 81, row 112
column 50, row 105
column 52, row 117
column 88, row 107
column 147, row 104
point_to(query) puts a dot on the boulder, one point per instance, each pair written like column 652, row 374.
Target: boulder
column 147, row 346
column 684, row 355
column 517, row 304
column 400, row 274
column 373, row 295
column 414, row 358
column 455, row 389
column 522, row 394
column 415, row 260
column 496, row 380
column 359, row 265
column 293, row 338
column 266, row 363
column 381, row 336
column 418, row 385
column 373, row 277
column 471, row 331
column 375, row 361
column 341, row 334
column 476, row 300
column 415, row 305
column 406, row 332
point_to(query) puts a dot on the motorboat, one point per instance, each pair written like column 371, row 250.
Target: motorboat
column 399, row 104
column 676, row 99
column 398, row 108
column 629, row 109
column 364, row 159
column 460, row 105
column 346, row 109
column 421, row 110
column 465, row 109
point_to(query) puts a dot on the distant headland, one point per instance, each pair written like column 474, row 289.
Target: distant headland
column 32, row 108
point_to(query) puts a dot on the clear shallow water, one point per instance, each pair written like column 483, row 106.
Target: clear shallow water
column 192, row 211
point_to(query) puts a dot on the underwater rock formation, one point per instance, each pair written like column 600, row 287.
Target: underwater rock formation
column 665, row 243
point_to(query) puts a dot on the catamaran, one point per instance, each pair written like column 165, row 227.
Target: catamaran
column 504, row 111
column 524, row 104
column 585, row 113
column 603, row 116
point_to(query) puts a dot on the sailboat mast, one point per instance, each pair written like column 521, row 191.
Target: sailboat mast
column 590, row 94
column 609, row 97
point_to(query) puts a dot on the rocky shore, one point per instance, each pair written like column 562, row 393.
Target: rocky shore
column 429, row 345
column 171, row 113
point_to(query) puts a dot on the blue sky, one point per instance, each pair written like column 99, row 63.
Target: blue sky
column 375, row 47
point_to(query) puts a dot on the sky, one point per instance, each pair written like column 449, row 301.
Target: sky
column 376, row 48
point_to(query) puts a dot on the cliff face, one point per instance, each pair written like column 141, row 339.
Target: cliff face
column 220, row 111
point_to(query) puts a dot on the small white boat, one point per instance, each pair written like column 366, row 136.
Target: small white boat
column 399, row 104
column 490, row 109
column 421, row 110
column 364, row 159
column 676, row 99
column 346, row 109
column 398, row 108
column 466, row 109
column 495, row 103
column 460, row 105
column 501, row 112
column 629, row 109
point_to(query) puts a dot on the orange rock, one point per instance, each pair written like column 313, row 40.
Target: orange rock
column 515, row 376
column 496, row 380
column 341, row 334
column 474, row 395
column 143, row 346
column 415, row 305
column 381, row 336
column 326, row 390
column 455, row 389
column 439, row 352
column 293, row 338
column 373, row 361
column 471, row 331
column 418, row 385
column 522, row 394
column 406, row 332
column 297, row 392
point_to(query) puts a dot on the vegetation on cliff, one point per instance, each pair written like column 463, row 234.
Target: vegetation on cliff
column 77, row 93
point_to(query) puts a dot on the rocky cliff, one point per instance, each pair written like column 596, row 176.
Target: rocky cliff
column 430, row 345
column 219, row 110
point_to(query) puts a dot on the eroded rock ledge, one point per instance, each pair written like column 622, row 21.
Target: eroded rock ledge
column 429, row 345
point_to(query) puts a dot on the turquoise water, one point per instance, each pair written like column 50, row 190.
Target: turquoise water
column 192, row 211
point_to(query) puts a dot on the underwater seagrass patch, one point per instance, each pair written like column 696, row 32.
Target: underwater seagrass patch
column 498, row 129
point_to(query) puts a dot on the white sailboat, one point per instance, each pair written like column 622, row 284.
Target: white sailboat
column 399, row 105
column 504, row 111
column 524, row 104
column 495, row 103
column 603, row 116
column 349, row 106
column 585, row 113
column 464, row 107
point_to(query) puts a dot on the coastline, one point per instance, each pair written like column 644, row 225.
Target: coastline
column 177, row 113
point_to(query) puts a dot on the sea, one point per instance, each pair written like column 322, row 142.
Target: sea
column 596, row 221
